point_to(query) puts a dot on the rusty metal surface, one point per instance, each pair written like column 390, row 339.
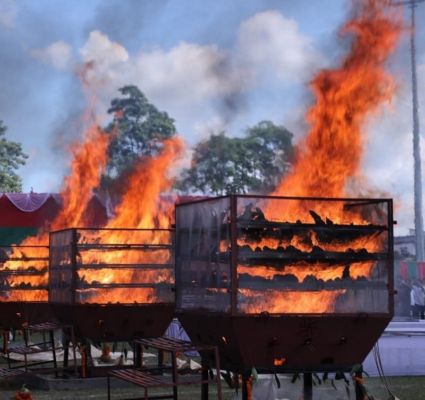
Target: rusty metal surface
column 285, row 340
column 15, row 314
column 116, row 322
column 300, row 343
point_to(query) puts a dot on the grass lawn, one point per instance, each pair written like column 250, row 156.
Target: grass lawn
column 405, row 388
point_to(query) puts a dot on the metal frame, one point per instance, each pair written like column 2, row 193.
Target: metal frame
column 75, row 246
column 233, row 198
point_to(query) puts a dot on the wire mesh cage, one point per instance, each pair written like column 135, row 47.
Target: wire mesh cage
column 111, row 266
column 285, row 259
column 23, row 284
column 112, row 283
column 23, row 273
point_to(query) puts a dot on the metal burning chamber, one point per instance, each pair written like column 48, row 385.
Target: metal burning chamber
column 23, row 285
column 113, row 284
column 285, row 284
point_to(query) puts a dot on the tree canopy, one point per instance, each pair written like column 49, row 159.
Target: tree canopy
column 11, row 158
column 140, row 127
column 254, row 163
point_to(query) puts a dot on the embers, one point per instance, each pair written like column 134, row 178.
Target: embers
column 101, row 265
column 24, row 273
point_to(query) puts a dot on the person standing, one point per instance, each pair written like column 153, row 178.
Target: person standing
column 418, row 296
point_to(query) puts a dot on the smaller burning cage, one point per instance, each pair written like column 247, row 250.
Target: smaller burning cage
column 111, row 266
column 23, row 273
column 284, row 273
column 101, row 280
column 23, row 284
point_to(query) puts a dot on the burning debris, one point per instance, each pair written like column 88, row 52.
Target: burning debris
column 24, row 273
column 300, row 277
column 284, row 282
column 281, row 264
column 92, row 266
column 32, row 253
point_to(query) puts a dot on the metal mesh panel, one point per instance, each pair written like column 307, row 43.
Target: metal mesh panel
column 287, row 255
column 61, row 274
column 203, row 269
column 112, row 266
column 23, row 273
column 312, row 256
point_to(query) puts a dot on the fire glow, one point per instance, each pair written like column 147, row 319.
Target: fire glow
column 89, row 160
column 329, row 157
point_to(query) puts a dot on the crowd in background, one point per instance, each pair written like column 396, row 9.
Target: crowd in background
column 410, row 298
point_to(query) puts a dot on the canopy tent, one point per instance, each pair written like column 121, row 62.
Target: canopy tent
column 22, row 214
column 410, row 270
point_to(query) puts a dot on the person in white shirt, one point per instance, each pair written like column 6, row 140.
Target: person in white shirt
column 418, row 296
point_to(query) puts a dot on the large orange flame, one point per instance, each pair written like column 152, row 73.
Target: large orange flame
column 345, row 96
column 331, row 153
column 141, row 207
column 88, row 162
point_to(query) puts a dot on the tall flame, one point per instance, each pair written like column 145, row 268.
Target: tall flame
column 88, row 162
column 345, row 96
column 141, row 207
column 331, row 153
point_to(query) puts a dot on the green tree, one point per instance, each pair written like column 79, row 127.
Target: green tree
column 254, row 163
column 219, row 166
column 140, row 126
column 271, row 150
column 11, row 158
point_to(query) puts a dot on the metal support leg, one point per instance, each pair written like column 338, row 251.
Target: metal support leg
column 5, row 342
column 74, row 349
column 65, row 346
column 358, row 387
column 52, row 343
column 218, row 373
column 246, row 387
column 161, row 361
column 109, row 387
column 175, row 375
column 83, row 361
column 308, row 386
column 138, row 355
column 204, row 386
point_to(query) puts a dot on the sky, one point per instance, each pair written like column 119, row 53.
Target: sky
column 213, row 65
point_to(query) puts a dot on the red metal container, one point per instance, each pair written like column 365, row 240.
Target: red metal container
column 23, row 285
column 113, row 284
column 285, row 284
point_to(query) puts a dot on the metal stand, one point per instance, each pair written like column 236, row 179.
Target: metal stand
column 148, row 378
column 246, row 387
column 357, row 386
column 5, row 335
column 47, row 331
column 308, row 386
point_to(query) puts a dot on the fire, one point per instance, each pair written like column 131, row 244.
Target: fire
column 328, row 158
column 141, row 208
column 345, row 96
column 276, row 302
column 89, row 160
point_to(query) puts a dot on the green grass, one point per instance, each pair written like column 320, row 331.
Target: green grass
column 405, row 388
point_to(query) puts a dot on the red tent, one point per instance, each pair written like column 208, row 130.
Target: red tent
column 22, row 214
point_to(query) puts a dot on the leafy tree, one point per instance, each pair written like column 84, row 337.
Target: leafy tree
column 254, row 163
column 219, row 166
column 141, row 128
column 11, row 158
column 271, row 150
